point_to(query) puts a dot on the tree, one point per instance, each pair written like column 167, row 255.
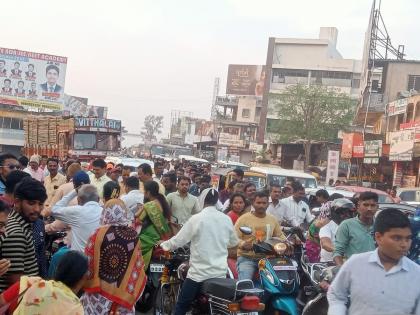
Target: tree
column 152, row 127
column 308, row 114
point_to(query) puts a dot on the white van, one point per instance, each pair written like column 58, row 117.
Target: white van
column 281, row 175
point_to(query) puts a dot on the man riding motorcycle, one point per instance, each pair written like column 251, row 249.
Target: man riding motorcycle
column 264, row 226
column 211, row 234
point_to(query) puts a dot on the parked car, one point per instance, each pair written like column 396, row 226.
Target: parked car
column 409, row 210
column 357, row 190
column 410, row 196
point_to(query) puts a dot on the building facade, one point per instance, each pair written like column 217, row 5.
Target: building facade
column 292, row 61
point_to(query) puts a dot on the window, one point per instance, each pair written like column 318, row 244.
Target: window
column 246, row 113
column 413, row 83
column 107, row 142
column 84, row 141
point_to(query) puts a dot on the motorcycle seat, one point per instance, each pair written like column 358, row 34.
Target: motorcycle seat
column 221, row 287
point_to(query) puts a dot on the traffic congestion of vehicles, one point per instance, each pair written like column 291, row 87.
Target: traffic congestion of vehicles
column 214, row 239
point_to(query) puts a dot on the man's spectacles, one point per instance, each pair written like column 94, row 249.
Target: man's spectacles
column 11, row 166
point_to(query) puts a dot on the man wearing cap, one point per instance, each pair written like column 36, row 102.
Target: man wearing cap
column 99, row 177
column 34, row 170
column 82, row 219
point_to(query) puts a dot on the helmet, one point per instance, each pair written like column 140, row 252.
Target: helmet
column 341, row 209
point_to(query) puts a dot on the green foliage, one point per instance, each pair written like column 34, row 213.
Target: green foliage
column 152, row 127
column 311, row 113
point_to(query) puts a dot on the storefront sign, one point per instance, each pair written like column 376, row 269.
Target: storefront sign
column 402, row 143
column 413, row 126
column 332, row 166
column 397, row 107
column 97, row 124
column 352, row 146
column 373, row 148
column 371, row 160
column 408, row 181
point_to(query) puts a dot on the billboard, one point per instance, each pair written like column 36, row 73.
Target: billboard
column 245, row 80
column 402, row 144
column 78, row 107
column 32, row 79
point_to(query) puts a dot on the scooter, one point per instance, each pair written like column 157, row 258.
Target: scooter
column 278, row 275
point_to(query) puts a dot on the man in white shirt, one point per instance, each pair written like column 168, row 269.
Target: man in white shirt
column 83, row 219
column 134, row 197
column 383, row 281
column 99, row 177
column 183, row 204
column 275, row 207
column 211, row 233
column 297, row 212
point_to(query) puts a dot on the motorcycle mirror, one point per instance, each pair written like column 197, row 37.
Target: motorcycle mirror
column 246, row 230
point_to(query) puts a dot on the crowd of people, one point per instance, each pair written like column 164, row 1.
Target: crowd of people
column 114, row 216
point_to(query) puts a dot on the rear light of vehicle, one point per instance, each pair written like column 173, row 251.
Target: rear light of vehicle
column 252, row 303
column 234, row 307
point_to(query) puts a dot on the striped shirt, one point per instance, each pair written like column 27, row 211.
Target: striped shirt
column 17, row 245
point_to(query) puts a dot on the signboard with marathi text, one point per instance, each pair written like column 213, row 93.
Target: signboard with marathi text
column 245, row 80
column 397, row 107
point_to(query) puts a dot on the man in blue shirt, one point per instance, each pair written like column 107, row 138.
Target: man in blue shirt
column 382, row 281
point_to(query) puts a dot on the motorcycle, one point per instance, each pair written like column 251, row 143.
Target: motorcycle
column 278, row 275
column 153, row 273
column 222, row 296
column 320, row 275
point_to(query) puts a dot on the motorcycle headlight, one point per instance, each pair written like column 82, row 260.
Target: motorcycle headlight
column 280, row 248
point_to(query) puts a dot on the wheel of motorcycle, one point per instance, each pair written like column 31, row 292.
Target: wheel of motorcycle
column 145, row 303
column 317, row 306
column 165, row 300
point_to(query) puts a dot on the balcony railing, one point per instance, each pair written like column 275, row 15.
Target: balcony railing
column 377, row 102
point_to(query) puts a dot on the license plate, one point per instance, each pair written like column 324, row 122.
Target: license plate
column 282, row 268
column 156, row 268
column 251, row 313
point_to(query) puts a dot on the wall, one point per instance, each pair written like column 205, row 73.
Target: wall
column 249, row 103
column 397, row 78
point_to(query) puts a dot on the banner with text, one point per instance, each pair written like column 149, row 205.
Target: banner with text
column 245, row 80
column 402, row 144
column 32, row 79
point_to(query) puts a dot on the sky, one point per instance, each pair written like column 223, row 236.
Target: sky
column 150, row 57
